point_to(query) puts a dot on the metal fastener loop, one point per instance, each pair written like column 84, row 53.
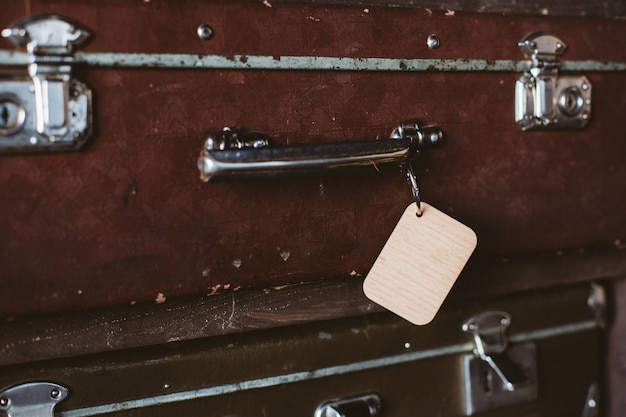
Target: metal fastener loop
column 415, row 189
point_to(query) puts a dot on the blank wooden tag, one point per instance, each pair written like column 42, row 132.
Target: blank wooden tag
column 419, row 264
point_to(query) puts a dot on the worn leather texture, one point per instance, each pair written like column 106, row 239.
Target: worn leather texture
column 127, row 220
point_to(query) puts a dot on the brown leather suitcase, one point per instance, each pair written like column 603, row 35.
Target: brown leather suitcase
column 112, row 241
column 126, row 218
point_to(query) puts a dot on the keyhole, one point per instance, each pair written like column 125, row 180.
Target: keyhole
column 4, row 115
column 12, row 117
column 571, row 101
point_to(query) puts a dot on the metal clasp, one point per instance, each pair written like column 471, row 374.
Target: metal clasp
column 33, row 399
column 49, row 110
column 543, row 98
column 496, row 375
column 366, row 405
column 487, row 330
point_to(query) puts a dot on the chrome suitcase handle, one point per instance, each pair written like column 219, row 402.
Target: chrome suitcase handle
column 234, row 153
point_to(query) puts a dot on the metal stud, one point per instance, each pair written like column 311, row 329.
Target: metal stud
column 205, row 32
column 433, row 42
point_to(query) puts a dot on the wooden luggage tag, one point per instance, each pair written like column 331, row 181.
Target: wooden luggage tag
column 419, row 264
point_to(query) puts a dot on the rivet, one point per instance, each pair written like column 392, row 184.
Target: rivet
column 55, row 393
column 4, row 402
column 33, row 140
column 433, row 42
column 585, row 86
column 205, row 32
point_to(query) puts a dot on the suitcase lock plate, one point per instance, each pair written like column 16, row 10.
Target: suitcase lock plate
column 46, row 109
column 366, row 405
column 33, row 399
column 545, row 100
column 496, row 375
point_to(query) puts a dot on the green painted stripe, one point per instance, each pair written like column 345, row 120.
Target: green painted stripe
column 306, row 63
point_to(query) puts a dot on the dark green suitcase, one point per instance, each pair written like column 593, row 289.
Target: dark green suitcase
column 537, row 353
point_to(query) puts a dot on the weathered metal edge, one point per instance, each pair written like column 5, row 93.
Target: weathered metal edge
column 306, row 63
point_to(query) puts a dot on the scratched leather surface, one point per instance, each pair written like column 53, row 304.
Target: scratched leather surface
column 128, row 219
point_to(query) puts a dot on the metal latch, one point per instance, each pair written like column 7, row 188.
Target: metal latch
column 496, row 375
column 543, row 98
column 366, row 405
column 47, row 109
column 33, row 399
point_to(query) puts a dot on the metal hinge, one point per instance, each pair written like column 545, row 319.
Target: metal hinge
column 543, row 98
column 33, row 399
column 46, row 109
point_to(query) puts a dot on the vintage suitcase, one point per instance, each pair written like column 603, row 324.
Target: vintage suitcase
column 546, row 344
column 126, row 219
column 509, row 115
